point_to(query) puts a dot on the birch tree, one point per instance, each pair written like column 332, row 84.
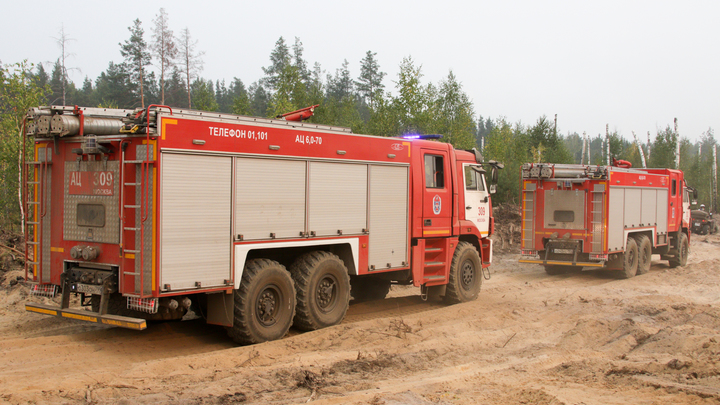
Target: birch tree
column 19, row 90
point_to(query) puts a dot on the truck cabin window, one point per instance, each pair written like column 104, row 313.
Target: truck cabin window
column 473, row 180
column 434, row 175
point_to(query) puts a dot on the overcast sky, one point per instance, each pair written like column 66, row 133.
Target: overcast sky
column 635, row 65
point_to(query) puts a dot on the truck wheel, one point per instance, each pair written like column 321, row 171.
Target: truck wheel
column 644, row 253
column 554, row 270
column 323, row 290
column 369, row 288
column 630, row 259
column 465, row 274
column 683, row 249
column 264, row 304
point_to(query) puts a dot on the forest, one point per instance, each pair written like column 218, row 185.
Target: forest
column 160, row 67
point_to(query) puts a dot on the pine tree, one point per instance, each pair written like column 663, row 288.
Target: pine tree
column 204, row 95
column 279, row 58
column 341, row 86
column 369, row 84
column 454, row 111
column 137, row 57
column 299, row 62
column 112, row 88
column 239, row 98
column 259, row 100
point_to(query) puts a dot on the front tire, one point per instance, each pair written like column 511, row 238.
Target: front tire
column 323, row 290
column 465, row 275
column 683, row 249
column 264, row 304
column 644, row 253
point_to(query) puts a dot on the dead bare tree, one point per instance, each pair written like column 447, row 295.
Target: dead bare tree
column 191, row 62
column 62, row 41
column 163, row 47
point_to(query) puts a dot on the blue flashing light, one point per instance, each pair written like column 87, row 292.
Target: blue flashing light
column 416, row 136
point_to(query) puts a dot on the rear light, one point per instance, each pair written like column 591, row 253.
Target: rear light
column 149, row 305
column 530, row 254
column 45, row 290
column 599, row 257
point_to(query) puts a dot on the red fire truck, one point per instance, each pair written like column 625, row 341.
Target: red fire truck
column 260, row 223
column 616, row 217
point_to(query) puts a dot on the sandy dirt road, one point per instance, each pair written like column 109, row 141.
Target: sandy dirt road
column 580, row 338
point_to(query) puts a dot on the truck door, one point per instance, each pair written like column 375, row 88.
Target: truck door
column 477, row 198
column 437, row 194
column 686, row 207
column 676, row 202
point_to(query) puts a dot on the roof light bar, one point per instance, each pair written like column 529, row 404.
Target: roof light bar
column 417, row 136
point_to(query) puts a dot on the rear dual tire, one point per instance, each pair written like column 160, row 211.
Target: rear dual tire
column 323, row 290
column 264, row 305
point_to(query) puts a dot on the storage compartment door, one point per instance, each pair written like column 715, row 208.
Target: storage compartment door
column 337, row 202
column 269, row 198
column 388, row 217
column 195, row 233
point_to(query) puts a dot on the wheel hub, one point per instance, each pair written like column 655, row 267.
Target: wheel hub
column 267, row 305
column 468, row 274
column 325, row 294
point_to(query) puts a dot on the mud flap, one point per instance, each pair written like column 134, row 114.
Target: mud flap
column 220, row 308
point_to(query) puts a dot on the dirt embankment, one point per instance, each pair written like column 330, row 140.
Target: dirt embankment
column 580, row 338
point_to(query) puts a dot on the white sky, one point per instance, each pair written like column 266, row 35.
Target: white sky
column 634, row 65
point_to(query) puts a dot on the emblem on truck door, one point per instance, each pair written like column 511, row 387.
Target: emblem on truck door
column 437, row 204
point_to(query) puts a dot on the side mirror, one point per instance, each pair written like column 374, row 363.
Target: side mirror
column 493, row 188
column 695, row 194
column 494, row 175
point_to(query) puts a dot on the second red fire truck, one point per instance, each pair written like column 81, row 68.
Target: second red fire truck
column 613, row 217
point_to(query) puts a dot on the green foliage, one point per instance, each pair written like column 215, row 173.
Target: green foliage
column 369, row 84
column 239, row 98
column 19, row 91
column 361, row 103
column 663, row 149
column 203, row 95
column 279, row 58
column 509, row 145
column 454, row 116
